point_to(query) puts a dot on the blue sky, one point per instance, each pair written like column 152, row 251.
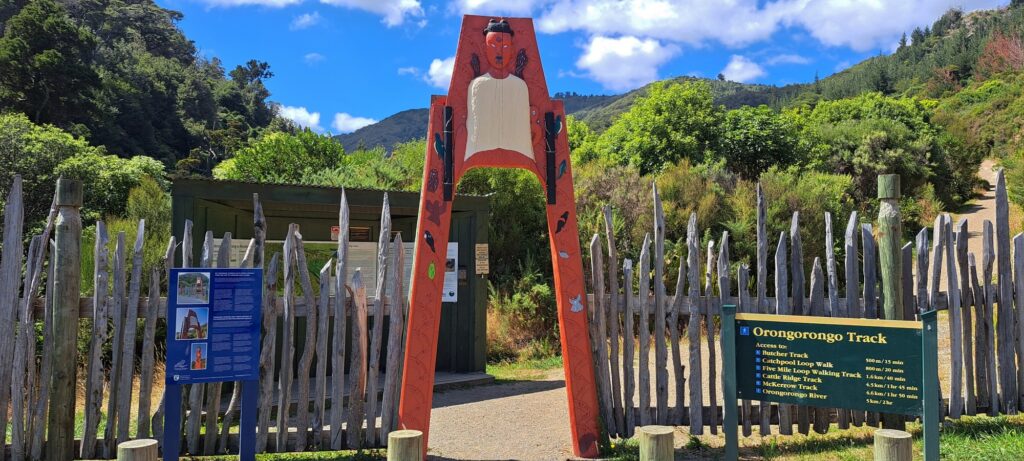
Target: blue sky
column 341, row 64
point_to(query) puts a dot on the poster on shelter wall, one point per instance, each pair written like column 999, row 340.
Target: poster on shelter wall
column 213, row 318
column 450, row 291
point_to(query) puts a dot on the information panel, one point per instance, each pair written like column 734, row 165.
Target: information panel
column 213, row 318
column 872, row 365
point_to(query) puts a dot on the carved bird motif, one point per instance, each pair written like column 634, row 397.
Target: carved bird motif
column 435, row 209
column 577, row 306
column 562, row 220
column 432, row 181
column 439, row 146
column 429, row 239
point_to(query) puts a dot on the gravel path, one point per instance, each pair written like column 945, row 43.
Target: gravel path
column 526, row 420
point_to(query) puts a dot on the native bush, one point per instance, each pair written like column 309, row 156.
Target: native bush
column 107, row 180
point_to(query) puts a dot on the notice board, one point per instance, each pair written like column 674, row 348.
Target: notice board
column 213, row 318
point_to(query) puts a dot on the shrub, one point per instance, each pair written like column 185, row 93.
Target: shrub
column 107, row 180
column 34, row 151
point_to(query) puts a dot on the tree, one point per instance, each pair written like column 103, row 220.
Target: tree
column 721, row 77
column 45, row 67
column 282, row 157
column 1002, row 53
column 903, row 42
column 34, row 152
column 756, row 138
column 672, row 122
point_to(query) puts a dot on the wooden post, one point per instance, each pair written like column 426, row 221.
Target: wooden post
column 656, row 443
column 893, row 445
column 10, row 269
column 405, row 445
column 137, row 450
column 890, row 230
column 67, row 261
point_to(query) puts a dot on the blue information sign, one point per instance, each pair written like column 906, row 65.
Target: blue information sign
column 215, row 314
column 213, row 335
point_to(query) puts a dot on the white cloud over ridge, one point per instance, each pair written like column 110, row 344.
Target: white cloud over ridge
column 624, row 63
column 786, row 59
column 394, row 12
column 346, row 123
column 313, row 58
column 860, row 25
column 305, row 21
column 440, row 72
column 301, row 117
column 743, row 70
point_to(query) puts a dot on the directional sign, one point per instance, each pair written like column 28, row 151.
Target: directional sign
column 872, row 365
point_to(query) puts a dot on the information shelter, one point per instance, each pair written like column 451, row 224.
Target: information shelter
column 226, row 206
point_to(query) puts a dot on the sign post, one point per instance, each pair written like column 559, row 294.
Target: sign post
column 213, row 335
column 888, row 366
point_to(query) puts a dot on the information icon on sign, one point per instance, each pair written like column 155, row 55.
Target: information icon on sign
column 745, row 331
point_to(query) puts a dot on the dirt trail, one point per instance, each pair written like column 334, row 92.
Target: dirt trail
column 982, row 209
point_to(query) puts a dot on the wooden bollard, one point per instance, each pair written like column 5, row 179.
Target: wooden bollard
column 405, row 445
column 657, row 443
column 893, row 445
column 137, row 450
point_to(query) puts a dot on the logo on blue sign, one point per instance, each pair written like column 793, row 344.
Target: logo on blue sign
column 744, row 331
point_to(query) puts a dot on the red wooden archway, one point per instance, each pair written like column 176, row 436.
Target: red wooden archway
column 498, row 114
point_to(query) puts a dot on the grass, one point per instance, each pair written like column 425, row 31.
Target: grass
column 348, row 455
column 972, row 438
column 523, row 370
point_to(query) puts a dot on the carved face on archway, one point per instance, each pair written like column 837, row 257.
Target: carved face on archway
column 498, row 44
column 499, row 49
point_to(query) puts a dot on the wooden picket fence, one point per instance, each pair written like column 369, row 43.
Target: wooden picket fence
column 986, row 336
column 322, row 410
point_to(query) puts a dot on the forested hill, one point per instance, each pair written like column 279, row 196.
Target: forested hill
column 121, row 74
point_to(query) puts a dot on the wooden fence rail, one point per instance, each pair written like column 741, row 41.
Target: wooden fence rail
column 312, row 408
column 983, row 374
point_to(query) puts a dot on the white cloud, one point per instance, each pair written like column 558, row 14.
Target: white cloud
column 786, row 59
column 860, row 25
column 411, row 70
column 624, row 63
column 394, row 11
column 345, row 123
column 741, row 69
column 863, row 25
column 511, row 7
column 440, row 72
column 305, row 21
column 301, row 116
column 268, row 3
column 313, row 58
column 732, row 22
